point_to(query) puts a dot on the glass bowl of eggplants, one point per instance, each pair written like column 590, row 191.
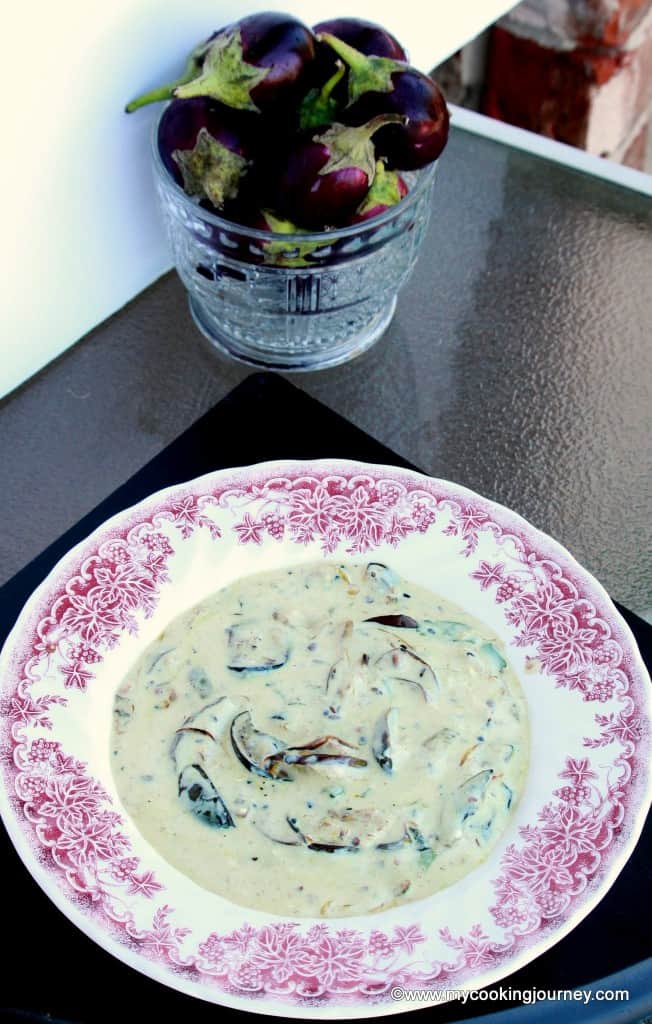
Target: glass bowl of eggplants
column 295, row 168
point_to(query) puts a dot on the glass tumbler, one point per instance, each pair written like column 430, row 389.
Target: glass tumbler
column 298, row 301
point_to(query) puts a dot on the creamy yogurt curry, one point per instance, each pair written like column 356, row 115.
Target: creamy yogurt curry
column 323, row 740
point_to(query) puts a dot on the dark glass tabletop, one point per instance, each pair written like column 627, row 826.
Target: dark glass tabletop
column 519, row 363
column 608, row 951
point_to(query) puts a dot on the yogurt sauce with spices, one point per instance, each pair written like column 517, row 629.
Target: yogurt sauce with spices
column 325, row 740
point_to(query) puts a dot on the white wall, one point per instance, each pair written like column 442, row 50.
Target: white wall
column 81, row 234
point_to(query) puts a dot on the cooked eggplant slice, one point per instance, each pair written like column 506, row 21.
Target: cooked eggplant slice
column 454, row 631
column 123, row 710
column 417, row 838
column 464, row 803
column 440, row 740
column 342, row 830
column 424, row 849
column 405, row 666
column 309, row 758
column 317, row 846
column 254, row 748
column 493, row 658
column 193, row 740
column 199, row 795
column 381, row 743
column 292, row 840
column 384, row 577
column 338, row 683
column 471, row 793
column 321, row 741
column 257, row 647
column 394, row 844
column 200, row 682
column 346, row 675
column 397, row 621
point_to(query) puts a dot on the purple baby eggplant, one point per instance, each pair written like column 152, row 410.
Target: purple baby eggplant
column 367, row 37
column 253, row 747
column 378, row 85
column 206, row 148
column 387, row 190
column 198, row 794
column 322, row 181
column 323, row 104
column 258, row 63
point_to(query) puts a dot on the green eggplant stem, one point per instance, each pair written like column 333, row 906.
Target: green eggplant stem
column 332, row 82
column 165, row 92
column 379, row 121
column 351, row 56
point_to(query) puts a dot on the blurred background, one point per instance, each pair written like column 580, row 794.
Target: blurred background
column 578, row 71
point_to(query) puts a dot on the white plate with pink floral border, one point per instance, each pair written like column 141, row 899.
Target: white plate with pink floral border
column 587, row 690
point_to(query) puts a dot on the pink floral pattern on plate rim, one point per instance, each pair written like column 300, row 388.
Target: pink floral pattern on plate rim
column 69, row 831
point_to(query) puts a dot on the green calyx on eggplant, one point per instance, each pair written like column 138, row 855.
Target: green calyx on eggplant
column 320, row 106
column 404, row 666
column 194, row 64
column 210, row 170
column 324, row 102
column 378, row 85
column 198, row 793
column 207, row 149
column 255, row 648
column 254, row 748
column 387, row 190
column 258, row 63
column 381, row 742
column 323, row 180
column 366, row 72
column 420, row 140
column 280, row 253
